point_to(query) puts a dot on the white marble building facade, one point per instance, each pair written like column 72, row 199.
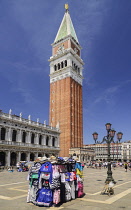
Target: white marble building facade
column 126, row 150
column 118, row 151
column 24, row 140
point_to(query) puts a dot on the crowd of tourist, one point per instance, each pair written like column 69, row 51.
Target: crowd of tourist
column 104, row 165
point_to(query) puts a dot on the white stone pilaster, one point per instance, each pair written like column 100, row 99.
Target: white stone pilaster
column 19, row 136
column 18, row 156
column 37, row 138
column 28, row 156
column 8, row 158
column 57, row 141
column 50, row 141
column 9, row 134
column 36, row 155
column 29, row 137
column 43, row 140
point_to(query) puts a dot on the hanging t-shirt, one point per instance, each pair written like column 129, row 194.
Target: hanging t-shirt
column 67, row 191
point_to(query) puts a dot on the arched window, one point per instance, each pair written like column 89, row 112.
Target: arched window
column 24, row 137
column 39, row 155
column 47, row 155
column 2, row 158
column 32, row 157
column 14, row 133
column 47, row 140
column 78, row 70
column 32, row 138
column 65, row 63
column 23, row 156
column 58, row 66
column 40, row 139
column 72, row 63
column 3, row 132
column 13, row 159
column 53, row 141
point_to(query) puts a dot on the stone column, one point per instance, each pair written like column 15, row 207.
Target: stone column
column 6, row 134
column 19, row 136
column 8, row 158
column 36, row 155
column 28, row 156
column 18, row 156
column 43, row 140
column 50, row 141
column 57, row 142
column 37, row 138
column 29, row 137
column 9, row 134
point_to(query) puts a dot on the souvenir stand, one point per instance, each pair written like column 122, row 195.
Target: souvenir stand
column 54, row 181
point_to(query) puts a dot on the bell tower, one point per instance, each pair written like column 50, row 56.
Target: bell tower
column 66, row 78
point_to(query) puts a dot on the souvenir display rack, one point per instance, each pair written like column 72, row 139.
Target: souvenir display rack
column 54, row 181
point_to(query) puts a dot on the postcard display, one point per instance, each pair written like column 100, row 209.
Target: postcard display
column 52, row 183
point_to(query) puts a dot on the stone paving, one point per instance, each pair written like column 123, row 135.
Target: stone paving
column 13, row 191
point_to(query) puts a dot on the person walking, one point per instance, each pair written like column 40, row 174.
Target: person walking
column 129, row 166
column 125, row 166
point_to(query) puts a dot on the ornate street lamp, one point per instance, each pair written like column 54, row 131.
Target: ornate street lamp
column 119, row 137
column 108, row 139
column 95, row 136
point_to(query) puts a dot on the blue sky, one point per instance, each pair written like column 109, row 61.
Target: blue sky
column 103, row 27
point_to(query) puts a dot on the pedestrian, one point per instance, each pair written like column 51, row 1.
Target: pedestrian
column 99, row 165
column 125, row 166
column 130, row 166
column 96, row 165
column 106, row 164
column 120, row 164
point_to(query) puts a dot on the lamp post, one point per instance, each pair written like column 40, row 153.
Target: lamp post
column 119, row 137
column 108, row 139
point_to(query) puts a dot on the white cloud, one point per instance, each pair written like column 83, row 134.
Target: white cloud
column 108, row 94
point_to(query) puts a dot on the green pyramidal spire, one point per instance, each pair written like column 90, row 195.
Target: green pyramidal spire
column 66, row 28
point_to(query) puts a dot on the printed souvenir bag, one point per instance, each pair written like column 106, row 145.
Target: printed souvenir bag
column 44, row 197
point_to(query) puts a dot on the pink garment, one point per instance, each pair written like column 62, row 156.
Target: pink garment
column 55, row 173
column 80, row 189
column 56, row 196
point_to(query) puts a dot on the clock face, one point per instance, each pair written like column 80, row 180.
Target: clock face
column 60, row 49
column 75, row 50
